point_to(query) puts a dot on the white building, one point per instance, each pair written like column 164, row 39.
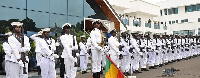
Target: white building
column 167, row 17
column 180, row 16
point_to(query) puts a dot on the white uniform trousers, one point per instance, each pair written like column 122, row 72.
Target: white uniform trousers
column 96, row 60
column 143, row 60
column 7, row 68
column 151, row 59
column 126, row 63
column 16, row 71
column 103, row 62
column 115, row 59
column 47, row 68
column 69, row 68
column 38, row 58
column 157, row 57
column 83, row 62
column 135, row 61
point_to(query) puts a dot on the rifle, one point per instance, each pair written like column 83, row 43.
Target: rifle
column 23, row 54
column 56, row 35
column 74, row 51
column 120, row 46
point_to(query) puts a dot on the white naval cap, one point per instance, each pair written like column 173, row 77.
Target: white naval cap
column 66, row 24
column 96, row 21
column 122, row 31
column 8, row 33
column 83, row 36
column 46, row 29
column 16, row 24
column 133, row 31
column 40, row 32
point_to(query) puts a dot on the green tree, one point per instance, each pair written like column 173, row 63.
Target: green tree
column 29, row 25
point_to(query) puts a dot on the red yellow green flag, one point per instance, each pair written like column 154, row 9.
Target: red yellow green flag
column 112, row 71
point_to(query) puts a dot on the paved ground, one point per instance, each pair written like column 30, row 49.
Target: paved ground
column 188, row 69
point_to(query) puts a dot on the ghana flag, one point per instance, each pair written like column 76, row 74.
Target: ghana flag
column 112, row 71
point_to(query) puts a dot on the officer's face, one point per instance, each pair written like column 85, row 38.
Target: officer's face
column 123, row 34
column 97, row 25
column 114, row 34
column 18, row 29
column 67, row 30
column 47, row 34
column 83, row 39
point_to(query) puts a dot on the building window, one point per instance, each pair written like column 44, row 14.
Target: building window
column 186, row 20
column 188, row 9
column 193, row 7
column 156, row 26
column 169, row 11
column 173, row 22
column 175, row 10
column 182, row 21
column 165, row 10
column 198, row 19
column 199, row 31
column 176, row 21
column 160, row 12
column 169, row 22
column 198, row 7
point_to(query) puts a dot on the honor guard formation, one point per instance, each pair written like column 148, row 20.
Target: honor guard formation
column 132, row 52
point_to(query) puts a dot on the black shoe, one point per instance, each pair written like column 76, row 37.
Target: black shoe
column 135, row 72
column 160, row 65
column 128, row 73
column 152, row 67
column 95, row 75
column 125, row 74
column 144, row 69
column 83, row 72
column 138, row 71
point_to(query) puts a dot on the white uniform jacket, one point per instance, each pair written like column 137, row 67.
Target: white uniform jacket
column 135, row 45
column 113, row 44
column 47, row 48
column 7, row 49
column 126, row 46
column 67, row 42
column 95, row 39
column 17, row 48
column 83, row 48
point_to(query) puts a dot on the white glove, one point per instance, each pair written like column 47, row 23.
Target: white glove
column 99, row 48
column 74, row 60
column 118, row 53
column 21, row 63
column 23, row 49
column 57, row 43
column 77, row 54
column 87, row 55
column 55, row 56
column 52, row 58
column 128, row 47
column 74, row 47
